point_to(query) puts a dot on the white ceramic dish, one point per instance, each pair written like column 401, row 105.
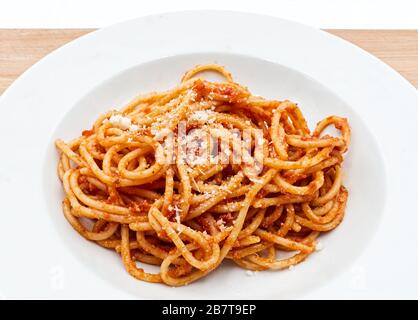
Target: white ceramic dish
column 371, row 255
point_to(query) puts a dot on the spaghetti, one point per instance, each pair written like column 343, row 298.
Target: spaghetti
column 133, row 183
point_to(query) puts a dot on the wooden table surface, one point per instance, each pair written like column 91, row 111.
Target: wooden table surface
column 20, row 48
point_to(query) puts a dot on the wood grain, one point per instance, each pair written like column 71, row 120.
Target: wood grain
column 397, row 48
column 20, row 48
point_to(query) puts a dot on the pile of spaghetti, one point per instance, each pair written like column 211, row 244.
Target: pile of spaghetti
column 121, row 192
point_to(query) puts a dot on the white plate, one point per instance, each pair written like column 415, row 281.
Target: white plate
column 371, row 255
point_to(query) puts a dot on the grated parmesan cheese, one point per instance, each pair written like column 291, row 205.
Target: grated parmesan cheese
column 120, row 121
column 319, row 246
column 177, row 210
column 206, row 116
column 221, row 224
column 133, row 128
column 160, row 134
column 225, row 188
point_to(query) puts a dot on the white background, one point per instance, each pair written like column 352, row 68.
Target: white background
column 378, row 14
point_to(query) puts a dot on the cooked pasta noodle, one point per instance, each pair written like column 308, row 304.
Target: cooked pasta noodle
column 155, row 200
